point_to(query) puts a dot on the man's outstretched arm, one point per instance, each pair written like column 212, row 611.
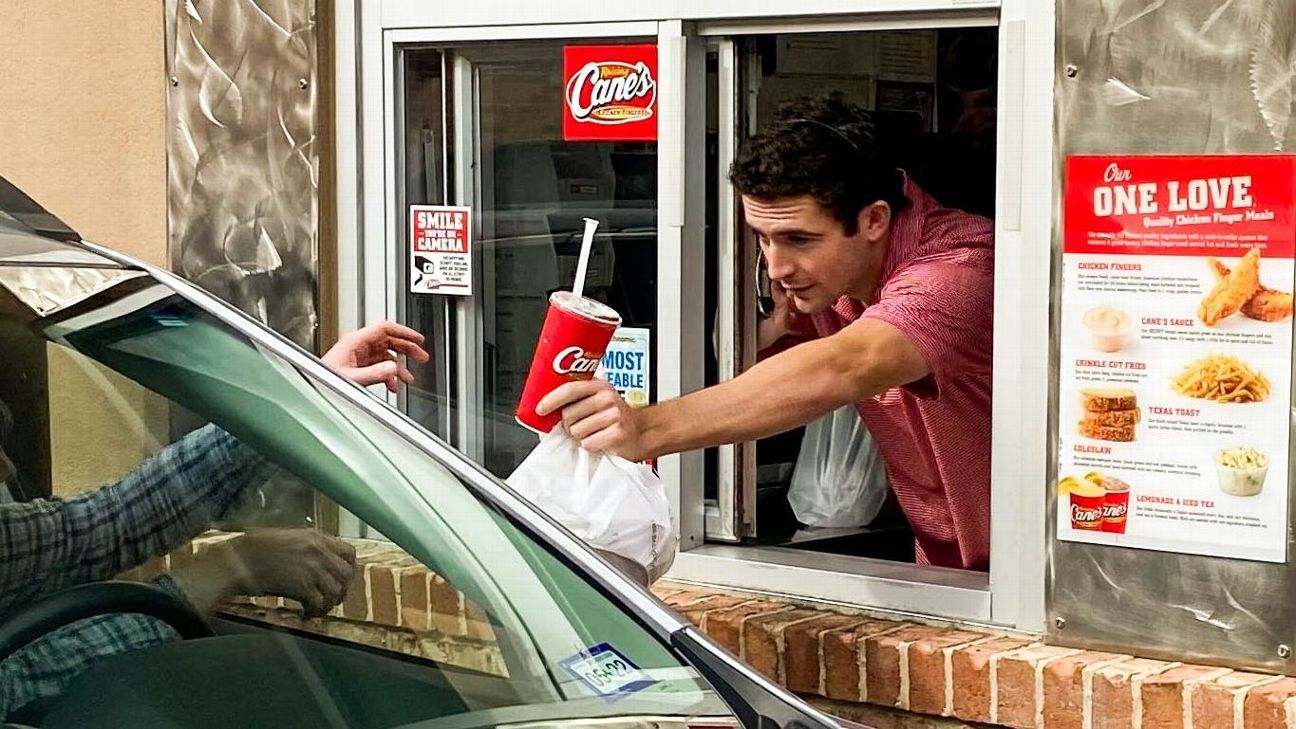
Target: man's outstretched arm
column 777, row 394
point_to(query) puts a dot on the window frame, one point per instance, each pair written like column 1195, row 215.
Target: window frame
column 948, row 594
column 1011, row 595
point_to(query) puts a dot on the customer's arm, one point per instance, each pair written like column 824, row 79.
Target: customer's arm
column 300, row 564
column 46, row 545
column 45, row 667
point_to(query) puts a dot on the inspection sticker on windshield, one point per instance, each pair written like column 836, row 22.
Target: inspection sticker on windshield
column 606, row 672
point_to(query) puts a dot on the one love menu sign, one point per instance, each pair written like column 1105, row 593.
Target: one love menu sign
column 1176, row 353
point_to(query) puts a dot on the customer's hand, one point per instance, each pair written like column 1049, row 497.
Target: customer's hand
column 372, row 355
column 299, row 564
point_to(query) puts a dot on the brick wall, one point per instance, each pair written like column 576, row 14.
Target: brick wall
column 848, row 663
column 884, row 673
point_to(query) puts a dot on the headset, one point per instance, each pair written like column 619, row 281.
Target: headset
column 764, row 288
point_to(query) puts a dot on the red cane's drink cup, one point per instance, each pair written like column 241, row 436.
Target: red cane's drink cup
column 1115, row 505
column 573, row 339
column 1087, row 500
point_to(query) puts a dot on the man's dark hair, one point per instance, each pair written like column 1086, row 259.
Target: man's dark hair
column 824, row 148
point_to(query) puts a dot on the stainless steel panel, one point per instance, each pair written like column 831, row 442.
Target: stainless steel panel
column 243, row 155
column 48, row 289
column 1191, row 77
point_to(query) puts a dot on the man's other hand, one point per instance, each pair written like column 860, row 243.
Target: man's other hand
column 372, row 355
column 299, row 564
column 780, row 321
column 596, row 416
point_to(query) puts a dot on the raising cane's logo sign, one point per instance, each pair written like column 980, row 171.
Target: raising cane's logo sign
column 610, row 93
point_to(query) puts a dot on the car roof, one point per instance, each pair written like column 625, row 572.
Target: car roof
column 31, row 235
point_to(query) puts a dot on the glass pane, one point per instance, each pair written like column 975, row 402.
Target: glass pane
column 426, row 180
column 533, row 191
column 711, row 295
column 465, row 614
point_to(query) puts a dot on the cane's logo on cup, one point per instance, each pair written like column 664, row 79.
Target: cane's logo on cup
column 611, row 92
column 1086, row 500
column 1086, row 515
column 575, row 333
column 1098, row 502
column 575, row 360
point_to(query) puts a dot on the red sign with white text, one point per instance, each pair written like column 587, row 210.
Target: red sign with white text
column 610, row 93
column 1175, row 340
column 1155, row 205
column 440, row 250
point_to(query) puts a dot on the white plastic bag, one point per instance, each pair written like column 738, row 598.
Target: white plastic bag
column 840, row 477
column 616, row 506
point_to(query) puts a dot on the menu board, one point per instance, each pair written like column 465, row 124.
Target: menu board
column 1176, row 347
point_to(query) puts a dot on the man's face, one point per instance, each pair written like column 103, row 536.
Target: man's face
column 808, row 252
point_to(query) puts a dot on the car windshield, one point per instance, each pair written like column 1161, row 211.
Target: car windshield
column 455, row 615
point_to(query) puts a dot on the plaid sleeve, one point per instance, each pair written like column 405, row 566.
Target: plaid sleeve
column 45, row 667
column 52, row 544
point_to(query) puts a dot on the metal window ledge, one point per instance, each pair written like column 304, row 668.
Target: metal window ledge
column 872, row 584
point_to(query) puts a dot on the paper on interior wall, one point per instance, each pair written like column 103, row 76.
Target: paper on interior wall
column 906, row 55
column 627, row 365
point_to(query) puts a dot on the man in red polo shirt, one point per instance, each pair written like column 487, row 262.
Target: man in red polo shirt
column 898, row 293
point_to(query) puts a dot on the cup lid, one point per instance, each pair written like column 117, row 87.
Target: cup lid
column 586, row 307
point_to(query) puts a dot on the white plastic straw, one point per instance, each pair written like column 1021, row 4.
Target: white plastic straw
column 582, row 263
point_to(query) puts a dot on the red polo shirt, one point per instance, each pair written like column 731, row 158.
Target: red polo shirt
column 937, row 288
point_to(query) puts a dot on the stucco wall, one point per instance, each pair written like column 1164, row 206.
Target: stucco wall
column 82, row 131
column 83, row 116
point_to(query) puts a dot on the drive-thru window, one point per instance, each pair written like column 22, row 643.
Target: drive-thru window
column 463, row 110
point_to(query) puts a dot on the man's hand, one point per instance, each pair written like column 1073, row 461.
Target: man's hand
column 300, row 564
column 598, row 418
column 779, row 323
column 372, row 355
